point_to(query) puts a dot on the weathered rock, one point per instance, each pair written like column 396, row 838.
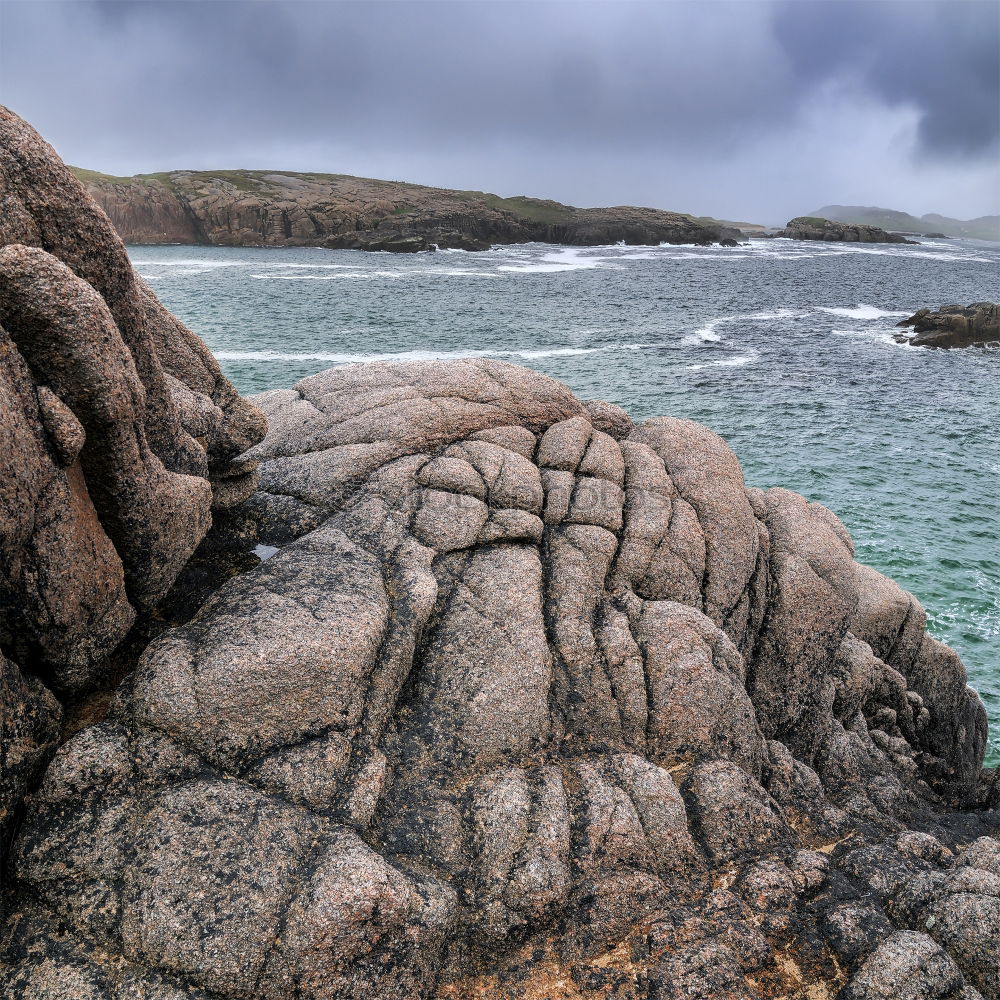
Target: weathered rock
column 115, row 417
column 954, row 326
column 30, row 720
column 443, row 727
column 908, row 966
column 807, row 227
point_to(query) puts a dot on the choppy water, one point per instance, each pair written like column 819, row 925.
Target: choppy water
column 783, row 348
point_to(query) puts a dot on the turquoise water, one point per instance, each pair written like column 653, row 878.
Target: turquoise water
column 783, row 348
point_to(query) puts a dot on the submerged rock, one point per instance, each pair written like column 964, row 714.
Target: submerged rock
column 530, row 700
column 806, row 227
column 954, row 326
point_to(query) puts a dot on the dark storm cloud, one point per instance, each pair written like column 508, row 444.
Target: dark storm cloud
column 942, row 58
column 705, row 106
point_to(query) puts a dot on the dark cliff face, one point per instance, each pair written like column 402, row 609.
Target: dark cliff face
column 257, row 208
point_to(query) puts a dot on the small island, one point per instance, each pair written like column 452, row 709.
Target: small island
column 337, row 211
column 810, row 227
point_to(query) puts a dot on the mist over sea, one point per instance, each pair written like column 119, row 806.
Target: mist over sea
column 783, row 348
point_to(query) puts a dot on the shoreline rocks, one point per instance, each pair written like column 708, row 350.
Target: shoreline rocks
column 976, row 325
column 813, row 228
column 522, row 698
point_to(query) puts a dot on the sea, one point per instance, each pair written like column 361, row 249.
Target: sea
column 784, row 348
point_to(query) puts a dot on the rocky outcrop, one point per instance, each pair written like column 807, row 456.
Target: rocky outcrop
column 806, row 227
column 954, row 326
column 527, row 694
column 517, row 698
column 119, row 433
column 986, row 227
column 261, row 208
column 117, row 440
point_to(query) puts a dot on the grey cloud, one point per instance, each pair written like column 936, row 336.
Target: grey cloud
column 695, row 106
column 942, row 58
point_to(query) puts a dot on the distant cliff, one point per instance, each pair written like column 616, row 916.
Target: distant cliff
column 279, row 208
column 986, row 227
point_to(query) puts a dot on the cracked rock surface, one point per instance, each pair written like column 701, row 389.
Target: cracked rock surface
column 520, row 708
column 524, row 701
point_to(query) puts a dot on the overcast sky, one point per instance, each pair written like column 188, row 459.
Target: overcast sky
column 748, row 110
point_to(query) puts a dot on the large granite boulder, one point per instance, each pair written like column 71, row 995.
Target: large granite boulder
column 527, row 701
column 807, row 227
column 118, row 435
column 119, row 430
column 954, row 326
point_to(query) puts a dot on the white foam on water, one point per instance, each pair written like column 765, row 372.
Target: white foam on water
column 308, row 267
column 704, row 335
column 370, row 275
column 350, row 276
column 860, row 311
column 344, row 359
column 554, row 352
column 568, row 259
column 879, row 333
column 201, row 265
column 735, row 362
column 708, row 333
column 807, row 249
column 453, row 272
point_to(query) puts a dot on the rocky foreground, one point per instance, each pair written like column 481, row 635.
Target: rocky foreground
column 279, row 208
column 806, row 227
column 976, row 325
column 517, row 698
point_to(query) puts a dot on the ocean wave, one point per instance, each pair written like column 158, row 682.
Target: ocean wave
column 204, row 265
column 709, row 334
column 351, row 276
column 861, row 311
column 734, row 362
column 704, row 335
column 568, row 259
column 879, row 333
column 344, row 359
column 369, row 275
column 809, row 248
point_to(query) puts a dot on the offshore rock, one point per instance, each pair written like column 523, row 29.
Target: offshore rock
column 531, row 701
column 806, row 227
column 954, row 326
